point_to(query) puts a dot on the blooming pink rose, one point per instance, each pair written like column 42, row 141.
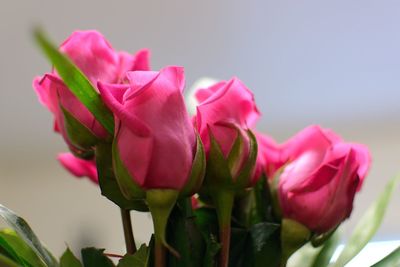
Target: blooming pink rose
column 91, row 52
column 154, row 135
column 323, row 174
column 226, row 109
column 269, row 157
column 79, row 167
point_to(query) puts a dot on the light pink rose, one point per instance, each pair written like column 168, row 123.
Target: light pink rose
column 225, row 109
column 79, row 167
column 91, row 52
column 155, row 137
column 323, row 174
column 269, row 157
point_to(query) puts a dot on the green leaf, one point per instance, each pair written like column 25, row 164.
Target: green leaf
column 207, row 223
column 18, row 250
column 262, row 211
column 93, row 257
column 368, row 225
column 139, row 259
column 240, row 238
column 68, row 259
column 78, row 134
column 328, row 249
column 25, row 232
column 393, row 259
column 185, row 237
column 76, row 81
column 265, row 244
column 108, row 184
column 6, row 262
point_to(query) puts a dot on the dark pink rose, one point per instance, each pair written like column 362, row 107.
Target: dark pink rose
column 319, row 182
column 79, row 167
column 91, row 52
column 226, row 110
column 154, row 136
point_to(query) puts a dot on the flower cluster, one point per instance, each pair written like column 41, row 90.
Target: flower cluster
column 159, row 154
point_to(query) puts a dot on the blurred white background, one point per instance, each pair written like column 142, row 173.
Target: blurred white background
column 334, row 63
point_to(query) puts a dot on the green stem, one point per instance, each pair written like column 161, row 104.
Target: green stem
column 223, row 202
column 128, row 232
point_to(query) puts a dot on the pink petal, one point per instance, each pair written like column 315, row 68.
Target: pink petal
column 79, row 167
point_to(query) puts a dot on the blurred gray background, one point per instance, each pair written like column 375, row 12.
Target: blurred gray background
column 334, row 63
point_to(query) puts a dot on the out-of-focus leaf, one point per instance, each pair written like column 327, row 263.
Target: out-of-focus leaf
column 68, row 259
column 393, row 259
column 6, row 262
column 93, row 257
column 24, row 231
column 18, row 249
column 76, row 81
column 368, row 225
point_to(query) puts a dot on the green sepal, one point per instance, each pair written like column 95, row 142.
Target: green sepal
column 293, row 236
column 218, row 174
column 198, row 171
column 161, row 202
column 76, row 82
column 79, row 135
column 243, row 180
column 129, row 188
column 235, row 155
column 107, row 182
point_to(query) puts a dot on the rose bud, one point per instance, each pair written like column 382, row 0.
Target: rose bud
column 155, row 148
column 225, row 114
column 318, row 185
column 95, row 57
column 79, row 167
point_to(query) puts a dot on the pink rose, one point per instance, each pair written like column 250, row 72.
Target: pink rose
column 91, row 52
column 79, row 167
column 154, row 136
column 323, row 174
column 226, row 110
column 269, row 157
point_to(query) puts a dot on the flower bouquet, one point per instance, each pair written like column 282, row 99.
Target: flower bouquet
column 219, row 192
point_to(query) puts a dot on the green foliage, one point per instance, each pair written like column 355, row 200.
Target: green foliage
column 76, row 81
column 184, row 236
column 68, row 259
column 368, row 225
column 21, row 227
column 140, row 259
column 93, row 257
